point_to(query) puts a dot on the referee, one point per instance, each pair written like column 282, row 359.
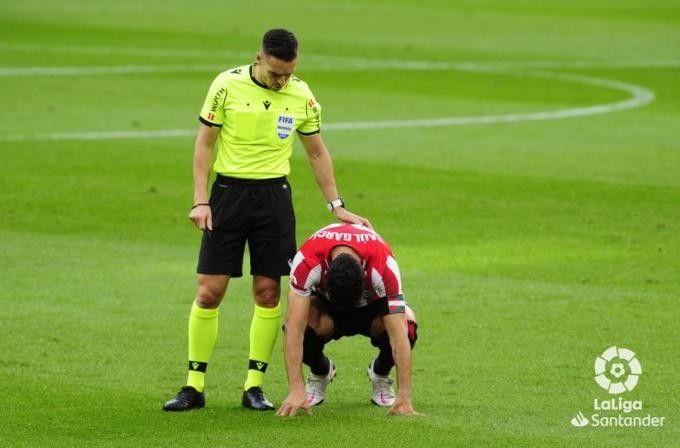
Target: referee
column 254, row 110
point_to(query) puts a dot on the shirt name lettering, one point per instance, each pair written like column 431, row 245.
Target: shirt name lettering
column 348, row 237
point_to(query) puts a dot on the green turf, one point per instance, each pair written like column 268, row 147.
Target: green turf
column 526, row 248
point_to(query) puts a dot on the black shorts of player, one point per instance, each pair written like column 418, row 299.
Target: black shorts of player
column 359, row 320
column 256, row 211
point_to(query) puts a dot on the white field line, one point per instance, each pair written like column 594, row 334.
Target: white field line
column 107, row 70
column 324, row 62
column 94, row 135
column 126, row 51
column 392, row 64
column 340, row 66
column 639, row 96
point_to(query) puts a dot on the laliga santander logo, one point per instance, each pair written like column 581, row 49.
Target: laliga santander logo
column 617, row 370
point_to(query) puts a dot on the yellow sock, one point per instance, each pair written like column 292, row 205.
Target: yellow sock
column 202, row 337
column 264, row 329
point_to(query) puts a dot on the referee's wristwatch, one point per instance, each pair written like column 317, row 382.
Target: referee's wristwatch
column 332, row 205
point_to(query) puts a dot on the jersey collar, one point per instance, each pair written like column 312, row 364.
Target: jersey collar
column 252, row 77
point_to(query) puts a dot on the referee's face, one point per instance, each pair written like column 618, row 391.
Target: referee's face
column 274, row 72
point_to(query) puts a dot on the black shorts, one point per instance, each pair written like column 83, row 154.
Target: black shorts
column 259, row 211
column 359, row 320
column 356, row 321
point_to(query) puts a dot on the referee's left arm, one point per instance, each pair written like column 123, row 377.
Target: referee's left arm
column 322, row 166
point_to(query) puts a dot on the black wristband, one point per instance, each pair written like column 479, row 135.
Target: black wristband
column 199, row 204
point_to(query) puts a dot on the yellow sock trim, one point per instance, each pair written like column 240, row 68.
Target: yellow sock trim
column 264, row 329
column 202, row 337
column 205, row 313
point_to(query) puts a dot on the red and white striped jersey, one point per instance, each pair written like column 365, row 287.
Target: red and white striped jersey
column 381, row 272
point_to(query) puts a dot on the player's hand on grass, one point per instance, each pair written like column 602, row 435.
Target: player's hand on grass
column 293, row 403
column 343, row 215
column 402, row 406
column 201, row 215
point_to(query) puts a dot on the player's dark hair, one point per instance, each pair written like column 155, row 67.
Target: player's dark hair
column 344, row 281
column 281, row 44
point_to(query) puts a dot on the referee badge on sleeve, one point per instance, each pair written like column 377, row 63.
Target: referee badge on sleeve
column 284, row 126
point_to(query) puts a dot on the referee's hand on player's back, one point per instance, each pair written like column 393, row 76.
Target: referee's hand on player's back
column 348, row 217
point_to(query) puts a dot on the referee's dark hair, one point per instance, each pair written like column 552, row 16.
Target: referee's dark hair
column 281, row 44
column 345, row 281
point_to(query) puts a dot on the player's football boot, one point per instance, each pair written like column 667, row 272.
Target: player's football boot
column 187, row 398
column 383, row 392
column 317, row 384
column 254, row 398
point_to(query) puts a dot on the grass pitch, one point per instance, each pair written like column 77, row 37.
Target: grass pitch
column 526, row 247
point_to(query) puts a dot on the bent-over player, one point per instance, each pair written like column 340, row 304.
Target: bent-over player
column 345, row 281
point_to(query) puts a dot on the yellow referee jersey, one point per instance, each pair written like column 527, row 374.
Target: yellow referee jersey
column 258, row 124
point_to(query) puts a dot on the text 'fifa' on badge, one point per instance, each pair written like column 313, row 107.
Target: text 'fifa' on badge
column 284, row 126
